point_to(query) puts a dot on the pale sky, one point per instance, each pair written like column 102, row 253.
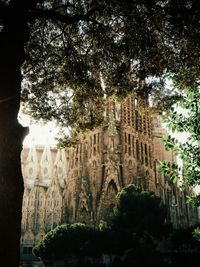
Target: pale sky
column 39, row 134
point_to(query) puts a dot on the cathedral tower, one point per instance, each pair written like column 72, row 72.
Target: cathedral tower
column 79, row 184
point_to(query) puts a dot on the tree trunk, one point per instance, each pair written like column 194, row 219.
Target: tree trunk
column 12, row 39
column 11, row 186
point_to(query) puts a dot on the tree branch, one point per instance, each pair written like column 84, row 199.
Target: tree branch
column 41, row 53
column 52, row 14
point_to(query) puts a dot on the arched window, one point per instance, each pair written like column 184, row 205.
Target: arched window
column 136, row 120
column 150, row 159
column 83, row 211
column 94, row 151
column 95, row 139
column 112, row 188
column 142, row 156
column 146, row 154
column 136, row 103
column 137, row 150
column 133, row 145
column 155, row 173
column 94, row 164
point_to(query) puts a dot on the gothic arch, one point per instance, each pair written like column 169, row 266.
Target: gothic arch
column 83, row 212
column 130, row 164
column 112, row 187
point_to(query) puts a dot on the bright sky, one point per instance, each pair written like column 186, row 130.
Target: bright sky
column 39, row 134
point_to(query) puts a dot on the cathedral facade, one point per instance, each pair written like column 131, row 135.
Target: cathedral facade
column 79, row 184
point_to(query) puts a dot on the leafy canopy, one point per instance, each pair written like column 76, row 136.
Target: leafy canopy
column 65, row 241
column 139, row 213
column 185, row 120
column 130, row 45
column 138, row 220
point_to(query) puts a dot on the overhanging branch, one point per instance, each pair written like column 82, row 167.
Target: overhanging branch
column 52, row 14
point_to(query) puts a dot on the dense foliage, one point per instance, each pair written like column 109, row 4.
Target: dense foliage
column 139, row 213
column 134, row 236
column 66, row 241
column 137, row 223
column 134, row 45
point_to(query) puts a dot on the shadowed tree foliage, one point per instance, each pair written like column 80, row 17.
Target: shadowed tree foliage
column 139, row 213
column 67, row 241
column 133, row 45
column 183, row 240
column 137, row 224
column 56, row 52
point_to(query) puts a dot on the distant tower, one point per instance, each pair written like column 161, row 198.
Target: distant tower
column 125, row 149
